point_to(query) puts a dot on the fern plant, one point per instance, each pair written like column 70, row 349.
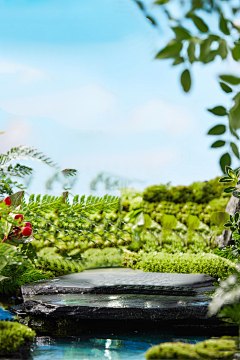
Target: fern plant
column 57, row 221
column 7, row 169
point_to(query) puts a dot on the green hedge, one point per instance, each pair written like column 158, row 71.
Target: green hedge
column 13, row 335
column 198, row 192
column 203, row 263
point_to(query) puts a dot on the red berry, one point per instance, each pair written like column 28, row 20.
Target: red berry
column 28, row 224
column 26, row 231
column 19, row 216
column 7, row 200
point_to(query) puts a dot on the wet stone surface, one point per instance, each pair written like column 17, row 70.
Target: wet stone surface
column 121, row 281
column 119, row 294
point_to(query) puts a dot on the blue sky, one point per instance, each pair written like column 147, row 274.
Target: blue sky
column 80, row 83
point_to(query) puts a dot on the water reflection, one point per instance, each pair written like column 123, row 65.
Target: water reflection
column 93, row 347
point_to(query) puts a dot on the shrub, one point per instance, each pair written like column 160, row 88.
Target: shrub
column 13, row 335
column 198, row 192
column 203, row 263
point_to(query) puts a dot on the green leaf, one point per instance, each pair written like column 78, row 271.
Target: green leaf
column 225, row 87
column 186, row 80
column 147, row 221
column 178, row 60
column 227, row 225
column 219, row 218
column 223, row 25
column 237, row 173
column 140, row 4
column 151, row 20
column 170, row 51
column 3, row 277
column 193, row 222
column 206, row 55
column 236, row 52
column 234, row 113
column 236, row 194
column 229, row 189
column 3, row 262
column 191, row 51
column 236, row 217
column 233, row 80
column 230, row 172
column 222, row 49
column 169, row 222
column 217, row 130
column 181, row 33
column 225, row 160
column 218, row 110
column 161, row 2
column 233, row 132
column 218, row 144
column 16, row 199
column 235, row 149
column 225, row 179
column 200, row 24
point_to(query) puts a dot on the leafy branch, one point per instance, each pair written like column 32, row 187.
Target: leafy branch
column 203, row 46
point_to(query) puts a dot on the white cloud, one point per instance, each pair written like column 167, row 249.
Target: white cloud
column 158, row 115
column 23, row 73
column 133, row 164
column 84, row 108
column 17, row 133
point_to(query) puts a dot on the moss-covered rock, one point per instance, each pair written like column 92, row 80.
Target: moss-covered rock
column 208, row 349
column 216, row 348
column 172, row 351
column 203, row 263
column 14, row 335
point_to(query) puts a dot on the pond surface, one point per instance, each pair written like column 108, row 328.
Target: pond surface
column 130, row 345
column 99, row 347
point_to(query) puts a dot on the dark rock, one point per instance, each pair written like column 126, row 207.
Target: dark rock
column 120, row 281
column 117, row 295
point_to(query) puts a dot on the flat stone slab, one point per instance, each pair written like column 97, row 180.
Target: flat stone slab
column 121, row 281
column 118, row 307
column 119, row 294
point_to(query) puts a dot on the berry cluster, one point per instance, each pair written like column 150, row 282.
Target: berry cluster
column 17, row 232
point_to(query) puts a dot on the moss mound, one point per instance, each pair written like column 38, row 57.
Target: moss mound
column 203, row 263
column 13, row 335
column 208, row 349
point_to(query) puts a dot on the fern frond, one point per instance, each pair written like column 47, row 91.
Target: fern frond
column 17, row 170
column 25, row 153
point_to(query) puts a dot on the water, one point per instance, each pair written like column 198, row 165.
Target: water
column 4, row 314
column 95, row 347
column 99, row 346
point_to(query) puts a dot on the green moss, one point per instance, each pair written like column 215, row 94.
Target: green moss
column 13, row 335
column 102, row 258
column 216, row 348
column 172, row 351
column 208, row 349
column 58, row 266
column 53, row 263
column 203, row 263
